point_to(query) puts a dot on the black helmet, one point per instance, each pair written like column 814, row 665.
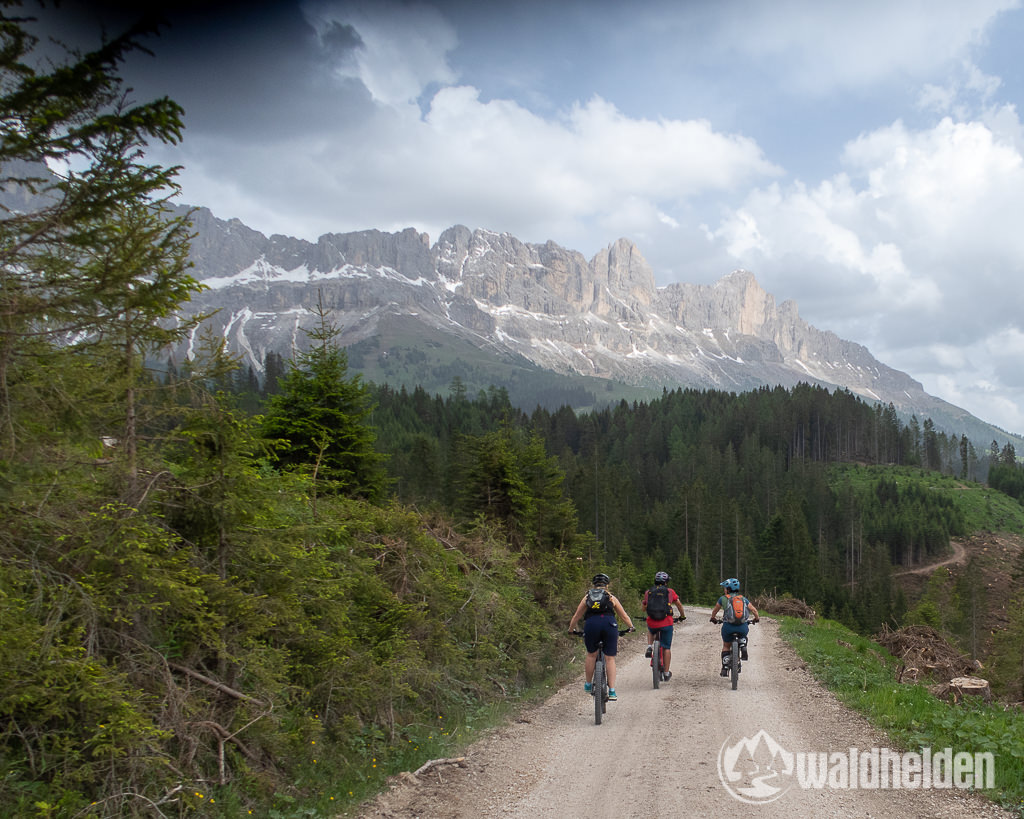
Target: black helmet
column 601, row 579
column 661, row 577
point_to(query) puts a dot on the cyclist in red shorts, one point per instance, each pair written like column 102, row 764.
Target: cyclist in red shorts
column 659, row 618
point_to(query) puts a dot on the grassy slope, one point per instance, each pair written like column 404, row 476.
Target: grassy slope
column 984, row 509
column 862, row 675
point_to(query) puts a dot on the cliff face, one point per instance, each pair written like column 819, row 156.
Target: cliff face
column 603, row 317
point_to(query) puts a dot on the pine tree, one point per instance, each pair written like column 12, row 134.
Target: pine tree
column 147, row 253
column 321, row 417
column 507, row 476
column 75, row 111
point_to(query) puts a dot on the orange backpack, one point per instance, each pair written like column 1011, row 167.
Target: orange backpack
column 736, row 612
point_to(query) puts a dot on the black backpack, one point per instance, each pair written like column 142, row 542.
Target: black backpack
column 598, row 602
column 658, row 607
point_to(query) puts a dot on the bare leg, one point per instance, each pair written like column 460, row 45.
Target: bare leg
column 666, row 659
column 589, row 666
column 610, row 664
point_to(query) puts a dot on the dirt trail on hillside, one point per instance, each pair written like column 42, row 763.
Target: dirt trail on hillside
column 959, row 556
column 555, row 763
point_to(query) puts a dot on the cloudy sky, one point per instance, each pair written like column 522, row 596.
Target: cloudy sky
column 861, row 159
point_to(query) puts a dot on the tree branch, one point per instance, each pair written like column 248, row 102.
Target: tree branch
column 426, row 766
column 238, row 695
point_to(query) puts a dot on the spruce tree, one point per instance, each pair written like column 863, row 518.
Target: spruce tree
column 320, row 417
column 72, row 116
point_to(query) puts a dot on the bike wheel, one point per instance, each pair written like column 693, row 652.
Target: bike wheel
column 656, row 661
column 735, row 663
column 598, row 691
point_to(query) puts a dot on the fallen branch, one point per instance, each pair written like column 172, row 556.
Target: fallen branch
column 426, row 766
column 238, row 695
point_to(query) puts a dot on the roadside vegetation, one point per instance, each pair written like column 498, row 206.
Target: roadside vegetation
column 863, row 676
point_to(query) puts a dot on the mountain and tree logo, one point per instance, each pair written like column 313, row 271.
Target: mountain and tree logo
column 755, row 770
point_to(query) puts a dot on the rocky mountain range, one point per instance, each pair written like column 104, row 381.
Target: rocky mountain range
column 541, row 321
column 397, row 297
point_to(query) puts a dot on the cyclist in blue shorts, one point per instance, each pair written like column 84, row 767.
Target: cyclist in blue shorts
column 737, row 612
column 598, row 609
column 659, row 618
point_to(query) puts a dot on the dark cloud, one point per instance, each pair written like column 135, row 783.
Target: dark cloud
column 340, row 39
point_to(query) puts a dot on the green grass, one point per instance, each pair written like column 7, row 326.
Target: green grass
column 861, row 674
column 984, row 509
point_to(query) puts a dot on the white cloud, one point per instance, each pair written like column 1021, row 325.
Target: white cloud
column 825, row 226
column 918, row 239
column 966, row 94
column 982, row 394
column 634, row 217
column 947, row 195
column 659, row 157
column 488, row 164
column 914, row 212
column 536, row 177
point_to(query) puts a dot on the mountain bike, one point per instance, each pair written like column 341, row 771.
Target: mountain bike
column 599, row 690
column 738, row 642
column 657, row 659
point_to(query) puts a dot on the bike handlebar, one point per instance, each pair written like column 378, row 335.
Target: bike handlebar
column 749, row 622
column 579, row 633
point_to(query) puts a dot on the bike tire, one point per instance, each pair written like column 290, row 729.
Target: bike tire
column 656, row 662
column 598, row 691
column 735, row 663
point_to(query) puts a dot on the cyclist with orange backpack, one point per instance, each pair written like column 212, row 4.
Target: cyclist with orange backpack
column 737, row 613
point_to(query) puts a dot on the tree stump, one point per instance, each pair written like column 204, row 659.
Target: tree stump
column 960, row 687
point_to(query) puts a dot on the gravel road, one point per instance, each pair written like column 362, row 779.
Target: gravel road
column 658, row 753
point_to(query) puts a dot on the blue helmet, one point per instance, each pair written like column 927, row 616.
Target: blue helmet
column 732, row 584
column 661, row 577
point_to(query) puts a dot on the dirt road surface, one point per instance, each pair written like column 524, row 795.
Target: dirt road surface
column 659, row 752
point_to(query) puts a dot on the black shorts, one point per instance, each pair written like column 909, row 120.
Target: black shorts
column 601, row 627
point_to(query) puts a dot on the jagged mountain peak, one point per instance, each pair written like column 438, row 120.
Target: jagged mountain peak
column 626, row 273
